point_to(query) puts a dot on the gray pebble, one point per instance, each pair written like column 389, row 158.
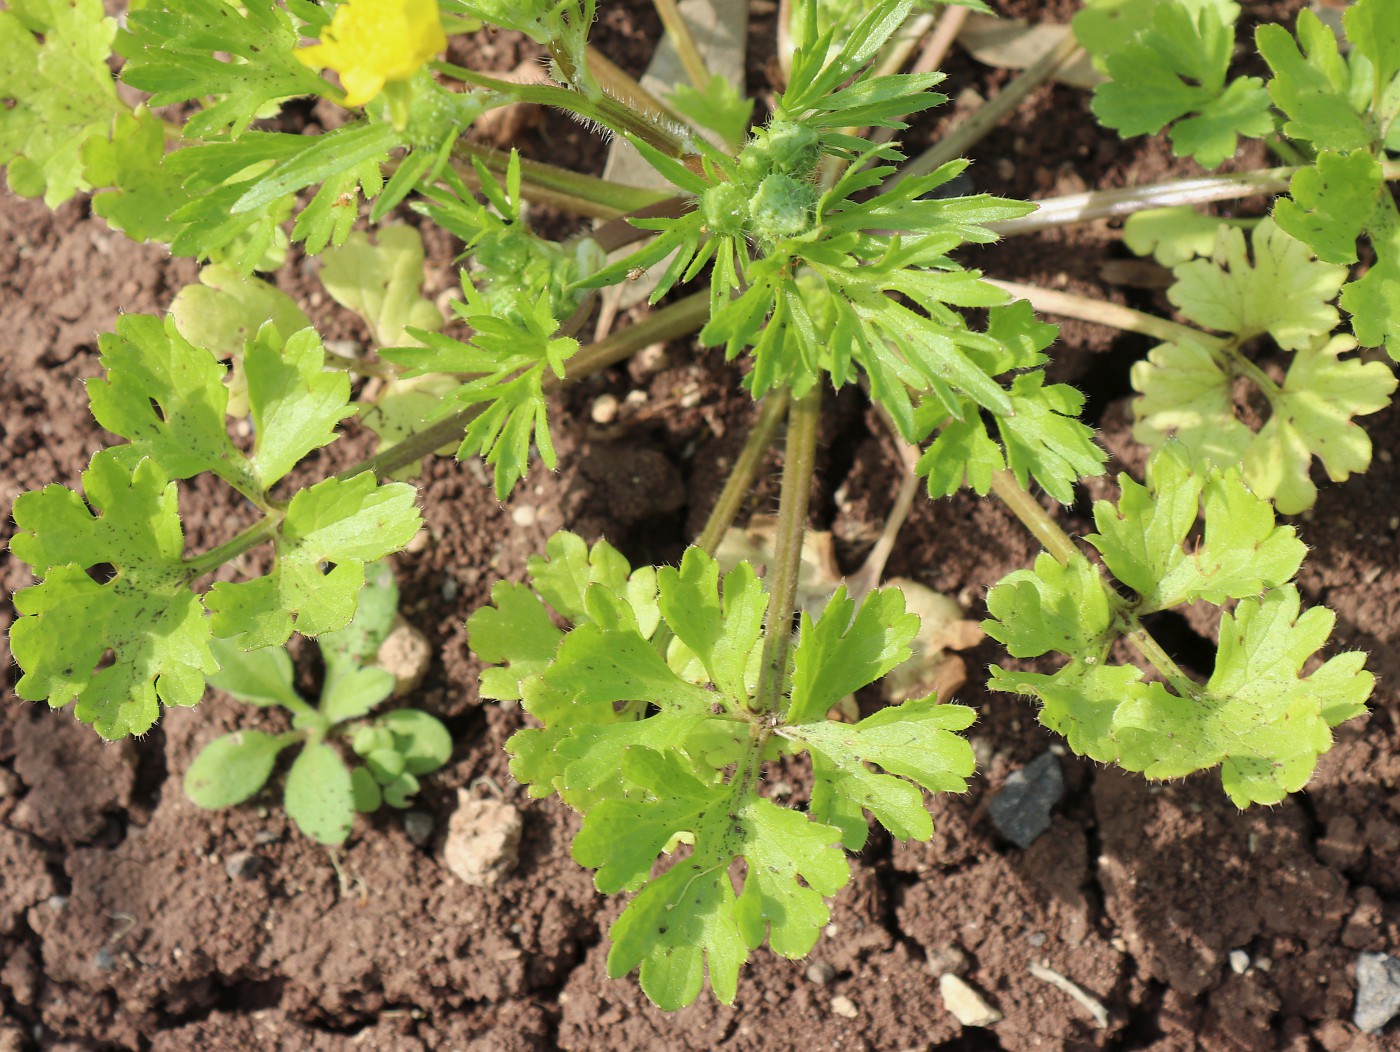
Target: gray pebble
column 242, row 865
column 418, row 826
column 1377, row 991
column 820, row 972
column 104, row 960
column 1021, row 811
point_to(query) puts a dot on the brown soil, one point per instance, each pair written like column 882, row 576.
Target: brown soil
column 121, row 929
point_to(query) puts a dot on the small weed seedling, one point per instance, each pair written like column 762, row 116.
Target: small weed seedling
column 826, row 257
column 323, row 791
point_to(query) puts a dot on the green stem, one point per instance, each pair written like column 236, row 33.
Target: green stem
column 799, row 464
column 245, row 540
column 1226, row 352
column 1149, row 648
column 982, row 121
column 624, row 88
column 684, row 41
column 1033, row 517
column 679, row 319
column 740, row 481
column 561, row 188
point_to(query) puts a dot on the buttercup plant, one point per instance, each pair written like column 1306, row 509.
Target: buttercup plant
column 657, row 695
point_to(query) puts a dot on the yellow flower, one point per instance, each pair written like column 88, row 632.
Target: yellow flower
column 371, row 42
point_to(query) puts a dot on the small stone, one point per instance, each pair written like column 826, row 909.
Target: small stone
column 418, row 827
column 1377, row 991
column 523, row 515
column 483, row 840
column 1037, row 939
column 948, row 959
column 418, row 543
column 449, row 587
column 242, row 865
column 965, row 1004
column 845, row 1007
column 821, row 972
column 652, row 358
column 406, row 654
column 604, row 409
column 104, row 960
column 265, row 837
column 1239, row 962
column 1021, row 811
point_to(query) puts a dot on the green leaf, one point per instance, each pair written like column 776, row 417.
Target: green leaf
column 563, row 575
column 423, row 742
column 722, row 627
column 241, row 55
column 1044, row 438
column 224, row 312
column 1373, row 301
column 232, row 768
column 357, row 644
column 382, row 283
column 136, row 193
column 320, row 794
column 1257, row 716
column 355, row 692
column 689, row 919
column 1188, row 395
column 515, row 631
column 839, row 653
column 56, row 93
column 1332, row 203
column 259, row 677
column 1312, row 85
column 366, row 791
column 1051, row 607
column 167, row 398
column 1173, row 236
column 345, row 523
column 1178, row 67
column 1282, row 290
column 914, row 743
column 1143, row 539
column 1313, row 416
column 1107, row 26
column 294, row 402
column 144, row 618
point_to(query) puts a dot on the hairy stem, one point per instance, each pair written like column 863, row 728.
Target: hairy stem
column 740, row 481
column 679, row 319
column 245, row 540
column 605, row 110
column 799, row 463
column 1033, row 517
column 686, row 48
column 982, row 121
column 569, row 191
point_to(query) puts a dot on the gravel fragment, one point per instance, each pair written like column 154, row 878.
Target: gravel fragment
column 483, row 840
column 821, row 972
column 1239, row 962
column 948, row 959
column 1377, row 991
column 965, row 1003
column 418, row 826
column 242, row 865
column 406, row 654
column 1021, row 811
column 845, row 1007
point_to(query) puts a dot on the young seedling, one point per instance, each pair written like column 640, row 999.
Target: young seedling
column 323, row 791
